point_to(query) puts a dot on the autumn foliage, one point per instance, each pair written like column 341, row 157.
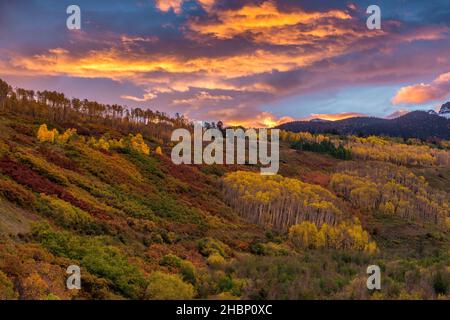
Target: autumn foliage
column 390, row 190
column 89, row 184
column 278, row 202
column 344, row 236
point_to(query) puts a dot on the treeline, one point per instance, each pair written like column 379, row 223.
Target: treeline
column 58, row 109
column 305, row 141
column 390, row 189
column 326, row 146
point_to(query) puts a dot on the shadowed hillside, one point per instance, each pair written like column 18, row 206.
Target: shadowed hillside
column 416, row 124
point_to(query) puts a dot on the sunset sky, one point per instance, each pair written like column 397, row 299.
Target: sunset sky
column 244, row 62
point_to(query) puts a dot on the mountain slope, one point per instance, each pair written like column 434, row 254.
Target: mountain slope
column 416, row 124
column 109, row 199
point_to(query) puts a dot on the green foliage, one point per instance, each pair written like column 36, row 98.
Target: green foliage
column 234, row 286
column 325, row 146
column 171, row 261
column 96, row 256
column 148, row 165
column 210, row 246
column 162, row 286
column 160, row 201
column 214, row 169
column 52, row 297
column 186, row 267
column 270, row 249
column 109, row 263
column 38, row 164
column 258, row 249
column 6, row 288
column 441, row 282
column 188, row 272
column 215, row 260
column 64, row 213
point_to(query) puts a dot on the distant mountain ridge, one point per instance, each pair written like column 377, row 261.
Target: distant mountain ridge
column 416, row 124
column 445, row 110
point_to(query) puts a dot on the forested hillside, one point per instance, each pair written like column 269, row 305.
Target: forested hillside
column 416, row 124
column 93, row 185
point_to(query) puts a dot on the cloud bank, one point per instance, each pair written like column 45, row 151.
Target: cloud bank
column 228, row 60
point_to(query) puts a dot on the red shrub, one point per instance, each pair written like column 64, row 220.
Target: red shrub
column 16, row 193
column 25, row 176
column 20, row 128
column 57, row 159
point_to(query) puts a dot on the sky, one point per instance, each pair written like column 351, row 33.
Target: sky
column 248, row 62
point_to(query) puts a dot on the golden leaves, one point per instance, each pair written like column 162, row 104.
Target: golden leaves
column 52, row 136
column 45, row 135
column 278, row 202
column 344, row 236
column 138, row 144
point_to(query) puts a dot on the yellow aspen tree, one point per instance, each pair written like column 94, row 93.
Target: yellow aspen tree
column 45, row 135
column 102, row 144
column 304, row 235
column 138, row 144
column 63, row 138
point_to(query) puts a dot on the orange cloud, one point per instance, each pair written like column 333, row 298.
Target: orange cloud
column 202, row 96
column 352, row 6
column 147, row 96
column 333, row 116
column 179, row 73
column 419, row 93
column 260, row 120
column 207, row 4
column 118, row 65
column 93, row 64
column 176, row 5
column 438, row 89
column 267, row 24
column 166, row 5
column 130, row 40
